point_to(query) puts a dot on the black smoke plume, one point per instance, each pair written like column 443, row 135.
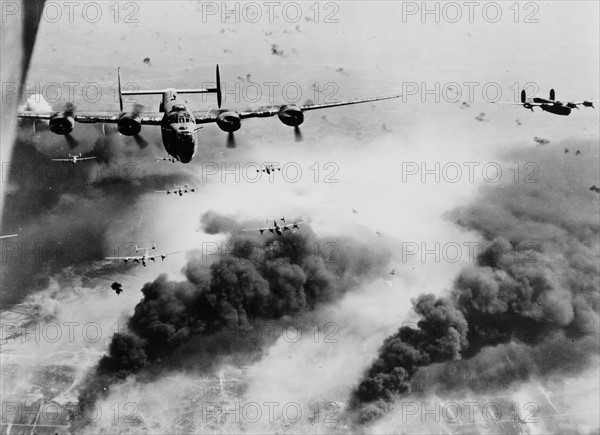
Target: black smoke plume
column 258, row 278
column 65, row 214
column 528, row 306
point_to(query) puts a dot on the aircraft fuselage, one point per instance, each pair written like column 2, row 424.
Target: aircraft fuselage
column 552, row 106
column 178, row 127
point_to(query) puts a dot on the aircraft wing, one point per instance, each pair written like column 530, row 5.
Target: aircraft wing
column 258, row 229
column 86, row 158
column 290, row 226
column 136, row 257
column 168, row 253
column 267, row 111
column 153, row 257
column 581, row 103
column 10, row 235
column 146, row 118
column 63, row 160
column 274, row 110
column 36, row 115
column 518, row 104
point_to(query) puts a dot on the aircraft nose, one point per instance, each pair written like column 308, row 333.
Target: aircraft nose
column 184, row 136
column 186, row 146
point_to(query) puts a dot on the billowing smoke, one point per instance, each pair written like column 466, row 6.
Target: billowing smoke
column 257, row 278
column 528, row 306
column 36, row 103
column 213, row 223
column 51, row 205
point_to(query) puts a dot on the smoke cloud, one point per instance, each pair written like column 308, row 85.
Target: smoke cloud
column 527, row 307
column 258, row 279
column 51, row 204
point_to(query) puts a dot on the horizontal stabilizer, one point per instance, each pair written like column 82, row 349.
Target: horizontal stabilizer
column 215, row 90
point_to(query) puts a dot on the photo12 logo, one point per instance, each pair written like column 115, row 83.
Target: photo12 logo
column 63, row 12
column 470, row 12
column 466, row 92
column 252, row 92
column 469, row 172
column 269, row 12
column 271, row 412
column 288, row 331
column 471, row 412
column 254, row 172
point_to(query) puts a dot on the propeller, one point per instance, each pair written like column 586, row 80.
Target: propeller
column 69, row 110
column 230, row 140
column 297, row 134
column 71, row 141
column 139, row 140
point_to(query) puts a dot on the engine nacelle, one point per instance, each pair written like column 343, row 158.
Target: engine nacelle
column 129, row 124
column 229, row 121
column 291, row 115
column 61, row 124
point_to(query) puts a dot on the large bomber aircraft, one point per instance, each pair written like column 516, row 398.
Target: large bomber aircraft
column 73, row 159
column 144, row 257
column 277, row 228
column 177, row 190
column 551, row 105
column 179, row 124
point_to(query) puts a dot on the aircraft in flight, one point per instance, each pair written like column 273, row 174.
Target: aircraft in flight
column 550, row 105
column 144, row 257
column 269, row 168
column 10, row 235
column 167, row 158
column 73, row 159
column 277, row 228
column 178, row 123
column 178, row 190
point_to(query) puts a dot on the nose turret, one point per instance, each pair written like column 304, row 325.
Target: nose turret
column 186, row 146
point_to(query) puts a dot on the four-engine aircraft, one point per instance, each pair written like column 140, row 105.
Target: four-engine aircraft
column 73, row 159
column 178, row 190
column 550, row 105
column 144, row 257
column 269, row 168
column 167, row 159
column 178, row 123
column 277, row 228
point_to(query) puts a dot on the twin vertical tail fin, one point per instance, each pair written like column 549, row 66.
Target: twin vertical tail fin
column 119, row 84
column 523, row 96
column 552, row 94
column 218, row 88
column 215, row 90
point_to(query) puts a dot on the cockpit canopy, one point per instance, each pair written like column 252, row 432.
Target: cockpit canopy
column 180, row 117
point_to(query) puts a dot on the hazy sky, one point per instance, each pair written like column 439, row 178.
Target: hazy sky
column 368, row 49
